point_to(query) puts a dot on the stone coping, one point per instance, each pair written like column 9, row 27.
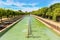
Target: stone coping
column 11, row 25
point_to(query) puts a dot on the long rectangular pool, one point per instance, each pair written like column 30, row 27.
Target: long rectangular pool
column 39, row 31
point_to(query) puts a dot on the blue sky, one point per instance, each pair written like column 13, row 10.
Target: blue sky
column 26, row 5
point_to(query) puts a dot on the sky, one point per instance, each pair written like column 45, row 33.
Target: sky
column 26, row 5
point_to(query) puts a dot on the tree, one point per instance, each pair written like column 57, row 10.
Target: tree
column 2, row 13
column 56, row 13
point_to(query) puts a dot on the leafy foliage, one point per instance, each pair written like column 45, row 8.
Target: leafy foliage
column 49, row 12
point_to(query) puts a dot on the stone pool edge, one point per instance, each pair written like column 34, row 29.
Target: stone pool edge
column 9, row 26
column 57, row 32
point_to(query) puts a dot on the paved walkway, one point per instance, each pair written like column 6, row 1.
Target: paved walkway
column 52, row 22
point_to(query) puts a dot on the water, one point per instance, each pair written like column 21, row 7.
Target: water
column 36, row 29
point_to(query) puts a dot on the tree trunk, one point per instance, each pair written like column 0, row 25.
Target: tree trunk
column 1, row 19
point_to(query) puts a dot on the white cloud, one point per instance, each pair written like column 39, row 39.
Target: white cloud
column 32, row 4
column 20, row 5
column 29, row 9
column 11, row 2
column 1, row 2
column 54, row 1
